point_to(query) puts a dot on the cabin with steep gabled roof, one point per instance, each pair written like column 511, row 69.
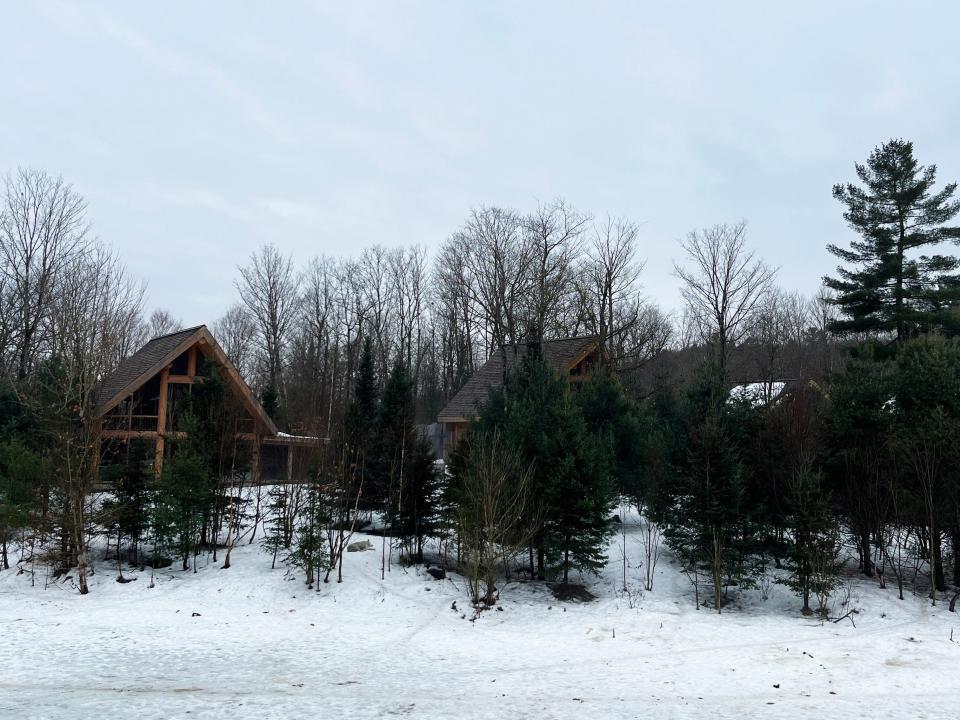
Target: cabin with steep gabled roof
column 140, row 400
column 573, row 358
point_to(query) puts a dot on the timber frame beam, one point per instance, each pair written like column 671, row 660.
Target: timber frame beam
column 161, row 421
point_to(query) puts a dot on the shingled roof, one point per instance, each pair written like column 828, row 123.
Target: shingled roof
column 559, row 354
column 158, row 352
column 149, row 360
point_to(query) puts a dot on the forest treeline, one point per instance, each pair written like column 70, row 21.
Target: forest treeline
column 764, row 435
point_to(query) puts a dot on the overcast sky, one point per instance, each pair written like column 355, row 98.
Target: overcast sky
column 198, row 131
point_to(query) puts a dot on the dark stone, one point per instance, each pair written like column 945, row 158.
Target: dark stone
column 437, row 573
column 569, row 591
column 158, row 562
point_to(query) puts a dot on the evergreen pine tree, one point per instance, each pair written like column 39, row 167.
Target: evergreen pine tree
column 270, row 401
column 21, row 473
column 195, row 476
column 362, row 414
column 402, row 477
column 662, row 438
column 709, row 525
column 926, row 427
column 572, row 491
column 857, row 455
column 277, row 531
column 211, row 416
column 884, row 286
column 127, row 512
column 813, row 541
column 309, row 551
column 183, row 500
column 613, row 418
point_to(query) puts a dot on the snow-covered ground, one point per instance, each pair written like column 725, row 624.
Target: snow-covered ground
column 249, row 643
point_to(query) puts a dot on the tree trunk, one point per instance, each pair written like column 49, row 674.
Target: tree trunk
column 898, row 292
column 82, row 572
column 22, row 365
column 865, row 553
column 119, row 558
column 717, row 569
column 954, row 541
column 226, row 557
column 938, row 579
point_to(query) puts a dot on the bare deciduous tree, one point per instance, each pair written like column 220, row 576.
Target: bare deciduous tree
column 455, row 318
column 823, row 312
column 650, row 334
column 609, row 285
column 43, row 228
column 770, row 333
column 497, row 266
column 268, row 287
column 650, row 539
column 235, row 332
column 553, row 236
column 372, row 279
column 722, row 284
column 495, row 487
column 408, row 277
column 161, row 322
column 93, row 304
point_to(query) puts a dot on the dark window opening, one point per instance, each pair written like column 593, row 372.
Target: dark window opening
column 179, row 366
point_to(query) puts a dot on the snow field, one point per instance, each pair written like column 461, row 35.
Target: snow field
column 250, row 643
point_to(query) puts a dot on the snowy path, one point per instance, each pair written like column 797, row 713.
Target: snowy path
column 266, row 647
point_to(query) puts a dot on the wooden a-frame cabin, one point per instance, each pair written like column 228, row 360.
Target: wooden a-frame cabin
column 140, row 399
column 573, row 359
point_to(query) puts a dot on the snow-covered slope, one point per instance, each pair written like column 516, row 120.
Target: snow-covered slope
column 249, row 643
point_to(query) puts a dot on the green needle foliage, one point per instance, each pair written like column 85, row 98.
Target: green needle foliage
column 572, row 484
column 887, row 283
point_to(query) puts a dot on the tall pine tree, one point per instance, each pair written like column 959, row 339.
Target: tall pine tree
column 885, row 286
